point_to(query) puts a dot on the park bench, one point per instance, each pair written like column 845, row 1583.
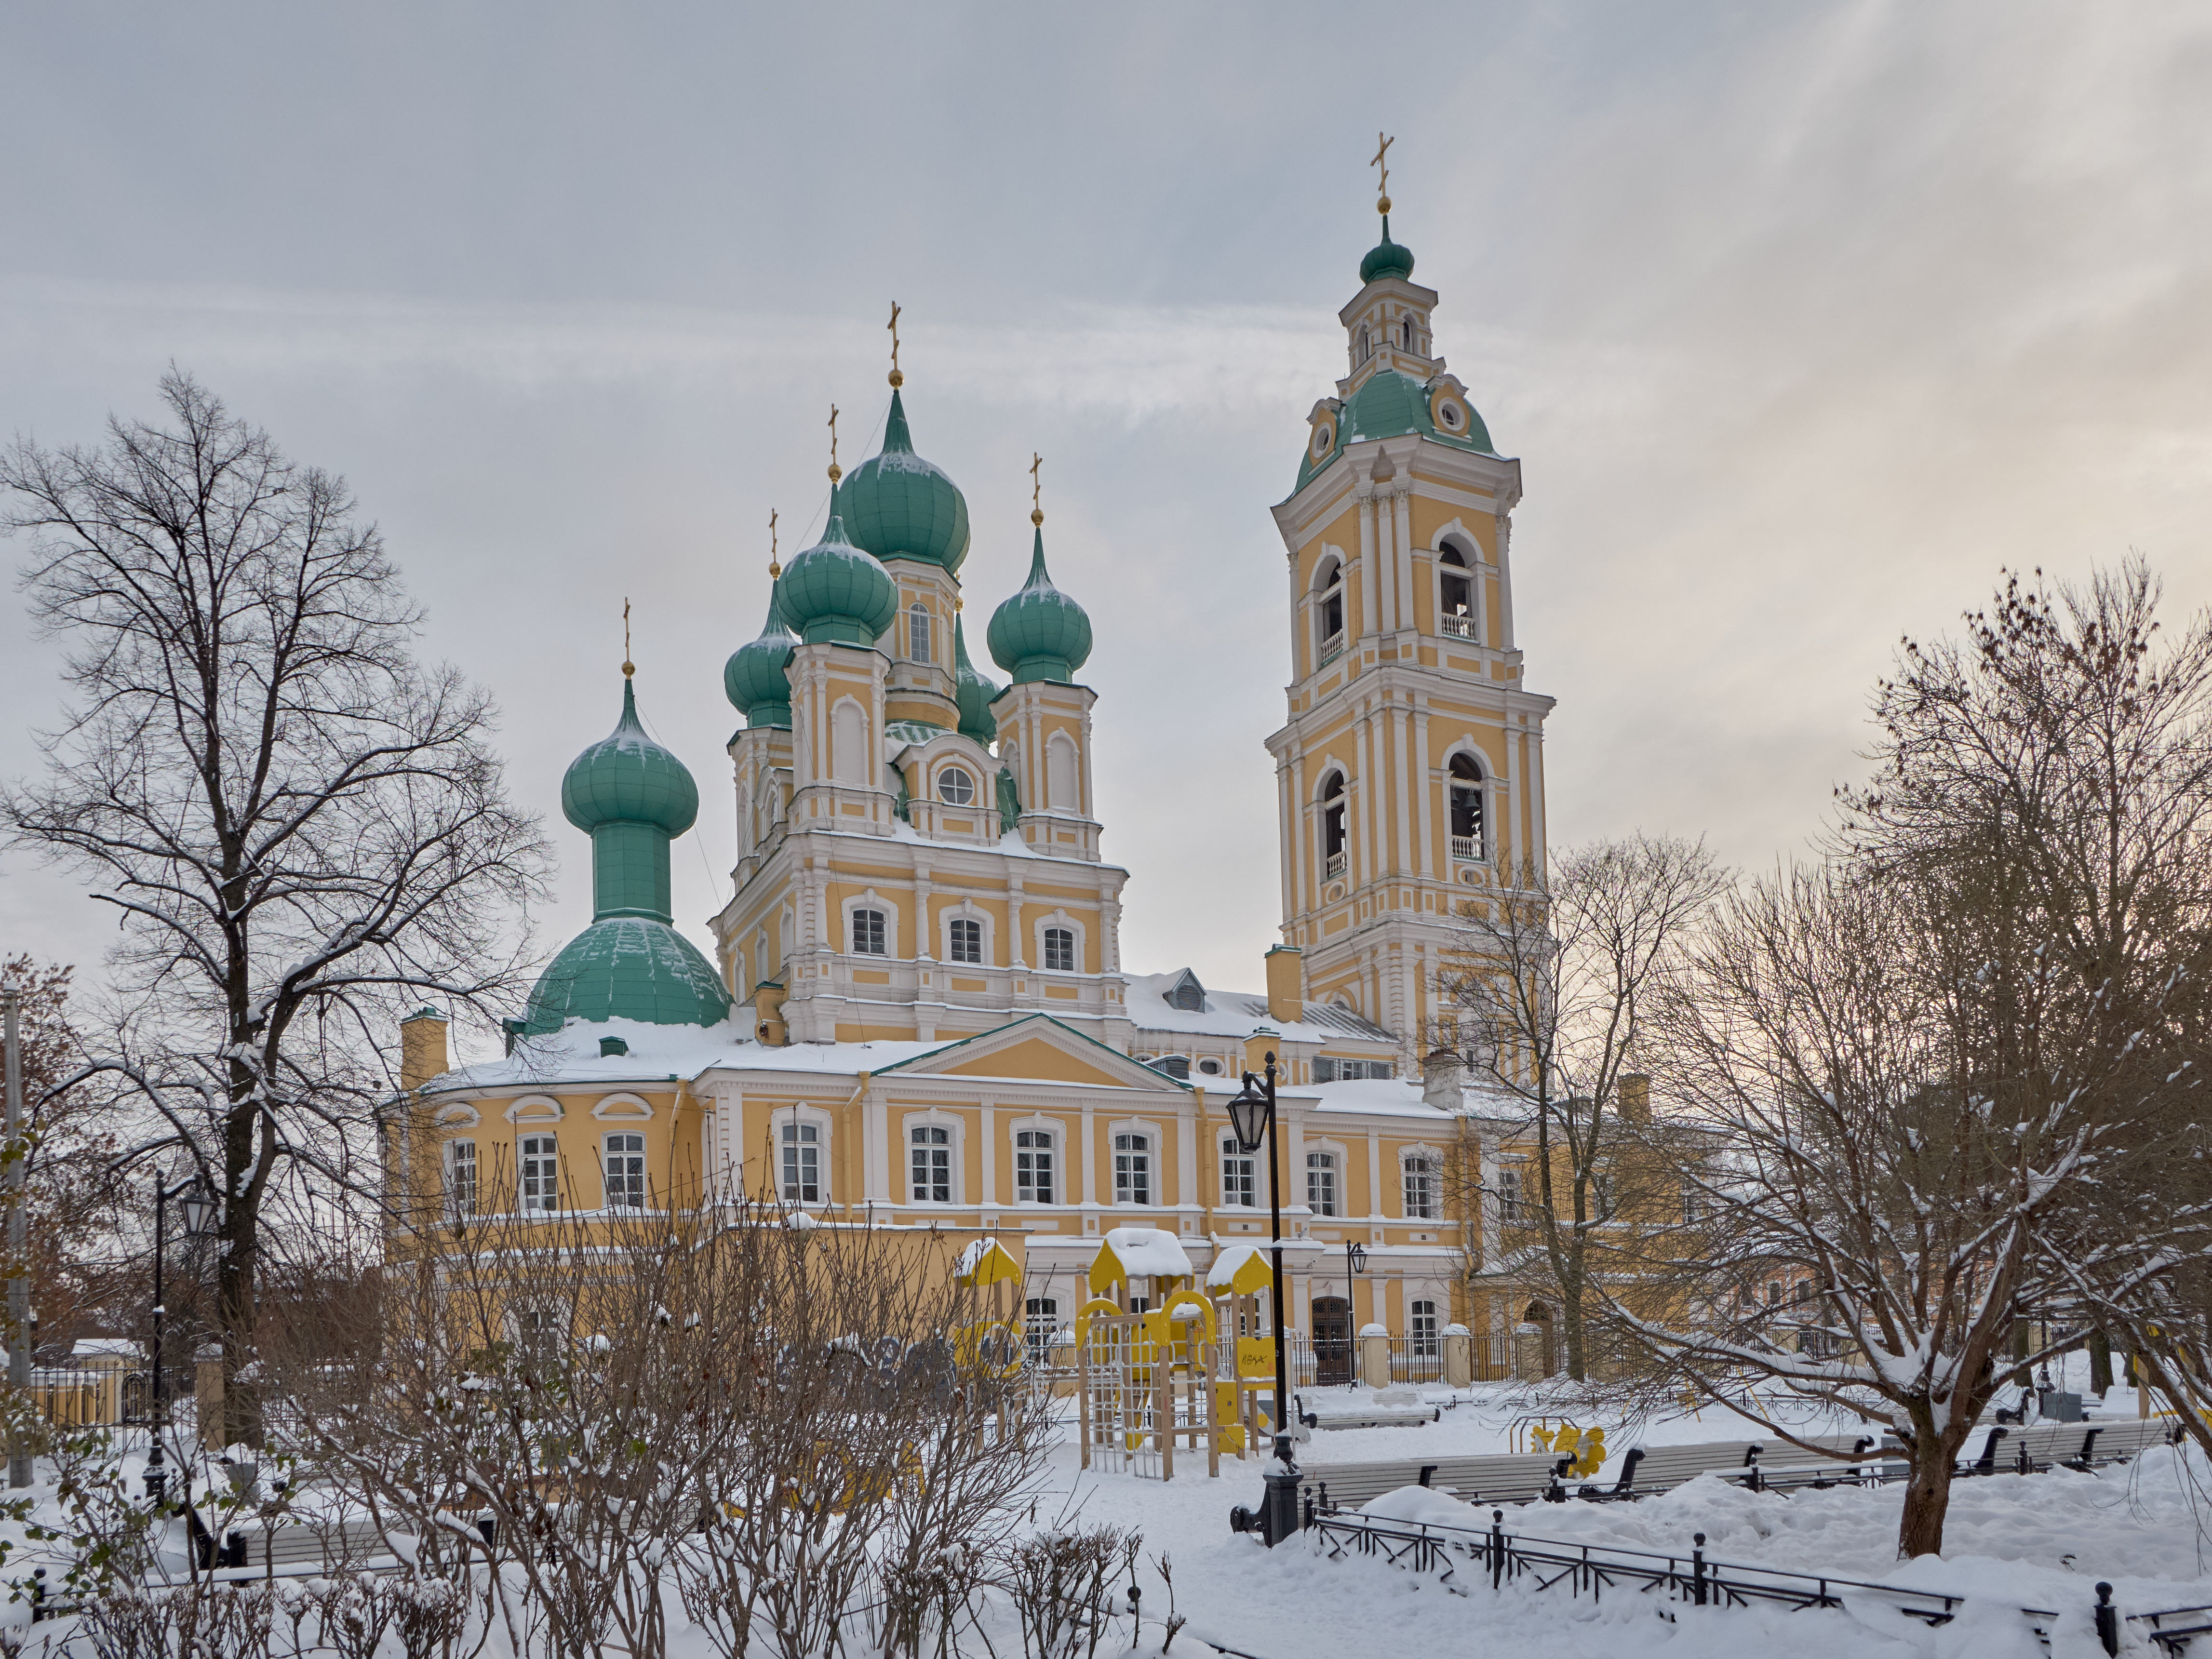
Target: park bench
column 329, row 1546
column 1648, row 1469
column 1507, row 1478
column 2085, row 1445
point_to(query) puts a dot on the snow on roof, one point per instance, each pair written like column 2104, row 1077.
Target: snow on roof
column 572, row 1055
column 1146, row 1252
column 104, row 1348
column 1234, row 1014
column 1230, row 1260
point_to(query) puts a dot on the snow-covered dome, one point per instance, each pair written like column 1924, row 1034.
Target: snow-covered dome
column 836, row 593
column 1040, row 633
column 897, row 505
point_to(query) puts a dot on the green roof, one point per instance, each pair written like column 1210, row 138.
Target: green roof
column 756, row 679
column 897, row 505
column 836, row 593
column 972, row 691
column 1390, row 405
column 1387, row 257
column 628, row 778
column 628, row 967
column 1040, row 633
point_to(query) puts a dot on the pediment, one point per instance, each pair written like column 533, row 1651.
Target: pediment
column 1041, row 1048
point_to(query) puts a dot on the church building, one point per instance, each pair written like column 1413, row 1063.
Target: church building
column 917, row 1015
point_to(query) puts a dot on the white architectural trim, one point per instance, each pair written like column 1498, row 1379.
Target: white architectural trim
column 933, row 1117
column 535, row 1108
column 869, row 900
column 634, row 1108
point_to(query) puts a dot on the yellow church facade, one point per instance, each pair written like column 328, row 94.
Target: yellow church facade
column 916, row 1014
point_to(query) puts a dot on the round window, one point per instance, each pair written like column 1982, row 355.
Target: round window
column 1320, row 439
column 955, row 787
column 1210, row 1067
column 1447, row 412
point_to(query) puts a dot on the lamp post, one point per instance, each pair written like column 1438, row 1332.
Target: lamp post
column 1355, row 1262
column 1252, row 1116
column 198, row 1207
column 19, row 1284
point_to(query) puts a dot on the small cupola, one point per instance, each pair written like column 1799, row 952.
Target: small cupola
column 972, row 691
column 1040, row 633
column 756, row 679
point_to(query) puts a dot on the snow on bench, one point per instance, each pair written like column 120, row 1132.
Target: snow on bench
column 1512, row 1478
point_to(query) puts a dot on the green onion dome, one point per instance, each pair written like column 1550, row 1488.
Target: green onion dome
column 1387, row 257
column 628, row 967
column 1040, row 633
column 628, row 778
column 758, row 676
column 836, row 593
column 897, row 505
column 972, row 691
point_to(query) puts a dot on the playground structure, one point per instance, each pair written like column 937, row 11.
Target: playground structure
column 1173, row 1364
column 1585, row 1446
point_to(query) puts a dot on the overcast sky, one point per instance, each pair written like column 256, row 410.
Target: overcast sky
column 1804, row 320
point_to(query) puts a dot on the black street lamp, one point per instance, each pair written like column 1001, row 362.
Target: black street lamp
column 1251, row 1116
column 199, row 1209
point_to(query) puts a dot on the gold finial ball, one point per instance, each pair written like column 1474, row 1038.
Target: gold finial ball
column 958, row 604
column 835, row 472
column 898, row 379
column 1036, row 517
column 774, row 571
column 628, row 669
column 1381, row 204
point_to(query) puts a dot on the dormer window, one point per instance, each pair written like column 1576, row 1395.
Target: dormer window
column 1188, row 994
column 955, row 787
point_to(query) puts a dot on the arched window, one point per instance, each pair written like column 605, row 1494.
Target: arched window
column 1332, row 825
column 1454, row 593
column 1060, row 774
column 917, row 632
column 1406, row 334
column 1329, row 611
column 849, row 743
column 1467, row 844
column 1366, row 347
column 1321, row 1183
column 967, row 935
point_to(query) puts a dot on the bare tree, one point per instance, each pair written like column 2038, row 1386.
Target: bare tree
column 1548, row 1000
column 302, row 830
column 1946, row 1068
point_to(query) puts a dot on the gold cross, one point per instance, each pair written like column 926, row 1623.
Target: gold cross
column 773, row 569
column 1036, row 488
column 629, row 667
column 1383, row 160
column 896, row 378
column 835, row 470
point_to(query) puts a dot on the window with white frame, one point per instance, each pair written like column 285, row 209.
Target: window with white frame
column 625, row 1164
column 964, row 936
column 460, row 1180
column 541, row 1173
column 1468, row 844
column 1333, row 822
column 1421, row 1326
column 1059, row 950
column 1033, row 1176
column 1040, row 1326
column 930, row 1147
column 1419, row 1170
column 917, row 632
column 955, row 786
column 867, row 932
column 1509, row 1192
column 1329, row 611
column 802, row 1163
column 1239, row 1187
column 1691, row 1213
column 1321, row 1183
column 1132, row 1169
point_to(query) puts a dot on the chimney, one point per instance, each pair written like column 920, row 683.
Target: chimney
column 1441, row 1081
column 422, row 1049
column 1636, row 1097
column 767, row 1011
column 1286, row 1004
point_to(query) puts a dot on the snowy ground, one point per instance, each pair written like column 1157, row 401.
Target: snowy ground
column 2012, row 1541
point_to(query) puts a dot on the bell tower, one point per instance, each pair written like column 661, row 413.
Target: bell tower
column 1410, row 774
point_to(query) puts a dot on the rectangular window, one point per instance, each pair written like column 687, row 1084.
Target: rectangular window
column 932, row 1165
column 1238, row 1186
column 1033, row 1166
column 1132, row 1169
column 1509, row 1193
column 538, row 1334
column 917, row 634
column 1601, row 1196
column 868, row 933
column 1328, row 1068
column 1040, row 1325
column 802, row 1164
column 1689, row 1202
column 460, row 1180
column 1421, row 1326
column 1059, row 950
column 541, row 1173
column 1321, row 1183
column 1421, row 1188
column 626, row 1171
column 966, row 940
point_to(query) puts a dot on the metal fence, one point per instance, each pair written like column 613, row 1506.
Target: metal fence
column 71, row 1397
column 1417, row 1359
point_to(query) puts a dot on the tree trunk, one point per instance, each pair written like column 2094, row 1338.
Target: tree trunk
column 1927, row 1497
column 2100, row 1363
column 1571, row 1315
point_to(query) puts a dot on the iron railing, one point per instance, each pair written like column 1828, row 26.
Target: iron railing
column 66, row 1396
column 1417, row 1359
